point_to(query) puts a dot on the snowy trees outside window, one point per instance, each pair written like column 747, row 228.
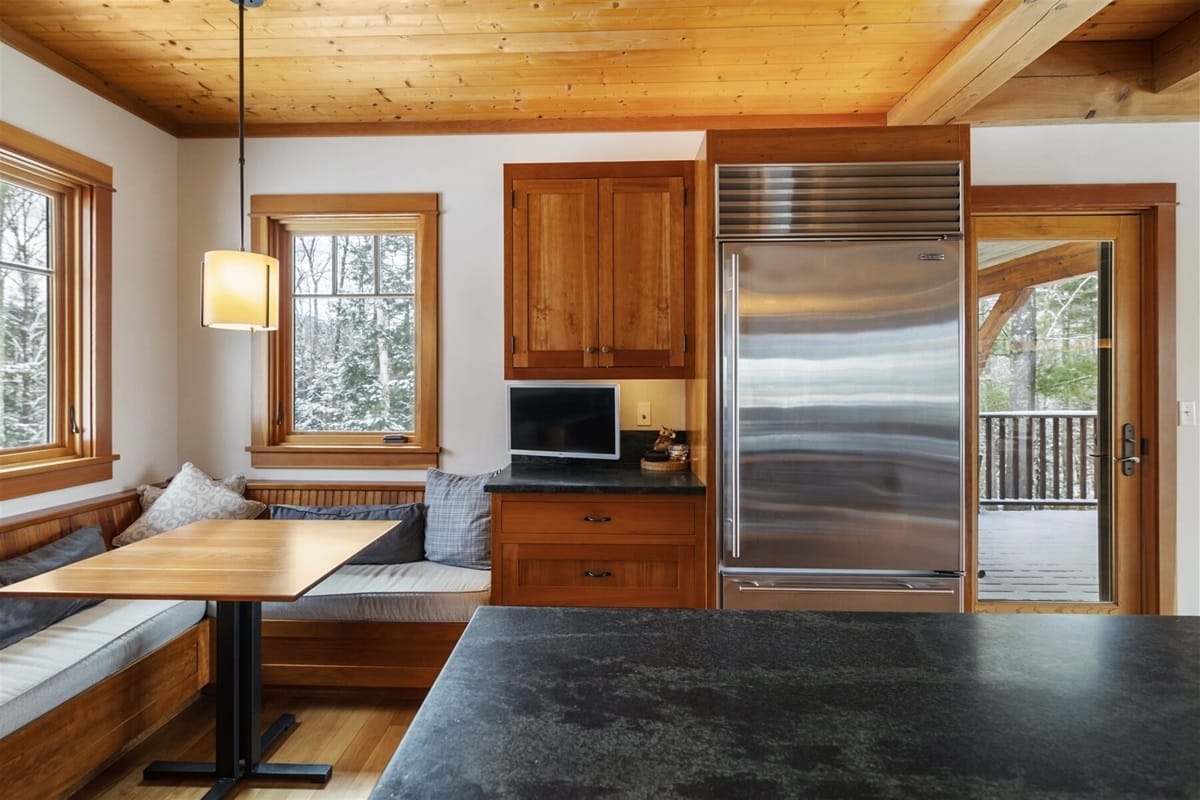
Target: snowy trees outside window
column 26, row 291
column 354, row 345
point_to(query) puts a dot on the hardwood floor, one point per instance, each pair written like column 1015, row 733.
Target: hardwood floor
column 356, row 732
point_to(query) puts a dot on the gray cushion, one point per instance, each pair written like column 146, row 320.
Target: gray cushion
column 400, row 545
column 23, row 616
column 458, row 522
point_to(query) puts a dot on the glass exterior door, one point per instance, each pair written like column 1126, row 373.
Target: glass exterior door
column 1058, row 445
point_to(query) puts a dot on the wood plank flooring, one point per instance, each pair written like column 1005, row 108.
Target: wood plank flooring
column 357, row 732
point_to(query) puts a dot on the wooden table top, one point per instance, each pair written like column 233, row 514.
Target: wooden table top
column 256, row 560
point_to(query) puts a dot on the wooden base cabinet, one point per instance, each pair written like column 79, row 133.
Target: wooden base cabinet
column 598, row 550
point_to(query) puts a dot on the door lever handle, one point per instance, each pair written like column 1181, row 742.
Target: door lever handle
column 1126, row 459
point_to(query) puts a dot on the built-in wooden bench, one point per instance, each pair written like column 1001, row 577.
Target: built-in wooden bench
column 61, row 750
column 335, row 654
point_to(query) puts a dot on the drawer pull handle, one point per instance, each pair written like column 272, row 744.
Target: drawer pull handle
column 589, row 573
column 591, row 518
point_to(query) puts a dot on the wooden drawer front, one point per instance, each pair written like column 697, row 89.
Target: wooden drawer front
column 601, row 516
column 598, row 575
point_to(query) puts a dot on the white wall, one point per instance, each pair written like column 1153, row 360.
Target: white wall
column 467, row 172
column 145, row 258
column 1128, row 153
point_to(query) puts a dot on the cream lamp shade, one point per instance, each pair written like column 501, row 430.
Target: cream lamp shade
column 240, row 291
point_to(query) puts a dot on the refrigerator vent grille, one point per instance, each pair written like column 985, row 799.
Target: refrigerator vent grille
column 839, row 201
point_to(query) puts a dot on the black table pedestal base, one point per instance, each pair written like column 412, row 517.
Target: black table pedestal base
column 240, row 748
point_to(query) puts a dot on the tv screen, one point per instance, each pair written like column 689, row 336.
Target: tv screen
column 567, row 420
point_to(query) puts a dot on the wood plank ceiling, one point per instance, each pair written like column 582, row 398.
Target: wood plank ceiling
column 428, row 66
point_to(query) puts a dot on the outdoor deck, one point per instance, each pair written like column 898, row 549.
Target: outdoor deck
column 1046, row 555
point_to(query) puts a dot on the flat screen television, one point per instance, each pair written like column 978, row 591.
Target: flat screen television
column 564, row 420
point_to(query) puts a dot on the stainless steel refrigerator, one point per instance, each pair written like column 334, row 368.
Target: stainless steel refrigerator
column 841, row 389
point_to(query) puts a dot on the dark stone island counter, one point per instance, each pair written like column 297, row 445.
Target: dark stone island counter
column 592, row 478
column 569, row 704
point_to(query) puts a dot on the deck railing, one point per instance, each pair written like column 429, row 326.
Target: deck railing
column 1037, row 459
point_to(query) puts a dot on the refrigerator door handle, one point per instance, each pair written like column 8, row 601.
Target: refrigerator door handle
column 878, row 589
column 734, row 434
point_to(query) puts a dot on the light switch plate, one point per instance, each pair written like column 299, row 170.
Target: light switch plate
column 643, row 413
column 1187, row 412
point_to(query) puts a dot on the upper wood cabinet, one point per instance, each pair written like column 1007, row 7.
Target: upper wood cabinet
column 598, row 275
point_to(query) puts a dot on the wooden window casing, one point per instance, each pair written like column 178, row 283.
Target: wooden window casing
column 79, row 446
column 274, row 441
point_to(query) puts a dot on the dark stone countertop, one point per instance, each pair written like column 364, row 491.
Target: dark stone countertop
column 592, row 478
column 570, row 704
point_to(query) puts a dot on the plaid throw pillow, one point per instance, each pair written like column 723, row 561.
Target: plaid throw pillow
column 458, row 519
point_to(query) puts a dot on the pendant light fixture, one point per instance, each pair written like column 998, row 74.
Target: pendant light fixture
column 240, row 289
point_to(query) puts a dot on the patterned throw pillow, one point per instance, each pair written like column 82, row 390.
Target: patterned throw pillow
column 458, row 519
column 148, row 495
column 191, row 496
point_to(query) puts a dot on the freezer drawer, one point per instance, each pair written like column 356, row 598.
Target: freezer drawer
column 842, row 593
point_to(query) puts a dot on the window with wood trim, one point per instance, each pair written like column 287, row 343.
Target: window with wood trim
column 351, row 374
column 55, row 311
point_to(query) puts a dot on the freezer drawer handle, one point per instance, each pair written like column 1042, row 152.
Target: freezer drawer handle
column 591, row 518
column 590, row 574
column 849, row 589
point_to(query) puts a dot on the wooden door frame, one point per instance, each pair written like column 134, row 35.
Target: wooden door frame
column 1154, row 204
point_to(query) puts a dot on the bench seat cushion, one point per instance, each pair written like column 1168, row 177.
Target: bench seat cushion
column 420, row 591
column 50, row 667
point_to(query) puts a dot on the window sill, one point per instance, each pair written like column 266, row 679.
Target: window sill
column 46, row 476
column 343, row 456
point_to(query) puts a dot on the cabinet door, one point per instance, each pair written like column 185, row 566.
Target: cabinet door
column 553, row 292
column 641, row 280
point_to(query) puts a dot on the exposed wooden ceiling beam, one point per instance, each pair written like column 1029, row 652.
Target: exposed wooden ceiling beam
column 1080, row 81
column 1045, row 266
column 1010, row 37
column 1177, row 55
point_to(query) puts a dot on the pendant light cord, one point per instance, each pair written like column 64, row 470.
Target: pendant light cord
column 242, row 123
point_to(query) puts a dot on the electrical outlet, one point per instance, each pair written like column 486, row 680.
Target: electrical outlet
column 1187, row 412
column 643, row 414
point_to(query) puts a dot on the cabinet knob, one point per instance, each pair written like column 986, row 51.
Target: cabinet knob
column 590, row 350
column 606, row 349
column 593, row 518
column 590, row 574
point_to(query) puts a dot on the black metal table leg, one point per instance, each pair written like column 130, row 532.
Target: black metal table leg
column 239, row 745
